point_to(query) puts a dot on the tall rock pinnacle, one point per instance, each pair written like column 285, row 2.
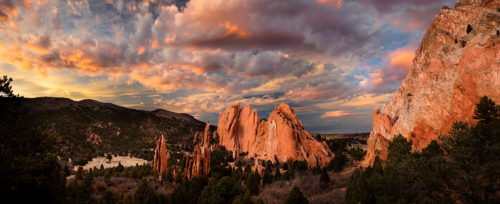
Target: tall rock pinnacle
column 458, row 61
column 281, row 138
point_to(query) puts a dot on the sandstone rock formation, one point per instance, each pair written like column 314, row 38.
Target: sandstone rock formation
column 160, row 162
column 281, row 138
column 457, row 62
column 199, row 164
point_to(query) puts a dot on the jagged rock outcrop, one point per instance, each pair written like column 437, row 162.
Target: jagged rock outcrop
column 160, row 162
column 199, row 163
column 281, row 138
column 457, row 62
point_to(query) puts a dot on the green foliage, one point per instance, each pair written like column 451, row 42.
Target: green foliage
column 267, row 178
column 341, row 145
column 253, row 183
column 463, row 167
column 300, row 166
column 338, row 162
column 145, row 194
column 169, row 176
column 319, row 138
column 5, row 87
column 221, row 191
column 219, row 160
column 135, row 172
column 296, row 197
column 399, row 148
column 277, row 174
column 188, row 191
column 108, row 197
column 243, row 198
column 28, row 160
column 324, row 179
column 79, row 191
column 357, row 153
column 486, row 110
column 87, row 129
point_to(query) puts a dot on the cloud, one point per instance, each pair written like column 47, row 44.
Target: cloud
column 336, row 3
column 336, row 114
column 396, row 66
column 200, row 56
column 409, row 14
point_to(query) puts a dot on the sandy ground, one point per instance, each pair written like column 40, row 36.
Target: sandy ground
column 126, row 161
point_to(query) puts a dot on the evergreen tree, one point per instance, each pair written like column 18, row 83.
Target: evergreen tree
column 338, row 162
column 277, row 174
column 144, row 193
column 253, row 183
column 267, row 178
column 324, row 179
column 486, row 110
column 296, row 197
column 5, row 87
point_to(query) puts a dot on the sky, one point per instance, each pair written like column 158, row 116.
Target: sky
column 333, row 61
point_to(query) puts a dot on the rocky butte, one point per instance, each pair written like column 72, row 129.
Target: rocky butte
column 199, row 164
column 457, row 63
column 160, row 161
column 279, row 138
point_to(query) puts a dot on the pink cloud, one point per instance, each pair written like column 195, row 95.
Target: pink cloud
column 397, row 63
column 336, row 3
column 336, row 114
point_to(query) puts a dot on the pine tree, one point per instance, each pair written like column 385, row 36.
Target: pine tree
column 296, row 197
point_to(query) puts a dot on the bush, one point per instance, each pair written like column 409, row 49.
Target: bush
column 324, row 179
column 296, row 197
column 222, row 191
column 253, row 183
column 338, row 162
column 357, row 153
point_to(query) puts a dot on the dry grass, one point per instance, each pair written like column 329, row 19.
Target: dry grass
column 277, row 192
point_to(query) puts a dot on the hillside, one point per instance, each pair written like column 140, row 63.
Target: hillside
column 88, row 128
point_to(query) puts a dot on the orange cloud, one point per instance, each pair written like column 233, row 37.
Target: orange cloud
column 169, row 39
column 7, row 11
column 141, row 50
column 336, row 3
column 336, row 114
column 376, row 77
column 234, row 30
column 397, row 63
column 309, row 93
column 402, row 57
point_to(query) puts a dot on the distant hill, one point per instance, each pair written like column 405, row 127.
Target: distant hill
column 89, row 128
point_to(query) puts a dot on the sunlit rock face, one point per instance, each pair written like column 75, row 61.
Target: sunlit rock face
column 281, row 138
column 458, row 61
column 199, row 164
column 160, row 162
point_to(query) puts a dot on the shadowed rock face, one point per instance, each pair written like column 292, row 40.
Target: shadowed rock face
column 281, row 137
column 160, row 162
column 453, row 67
column 199, row 164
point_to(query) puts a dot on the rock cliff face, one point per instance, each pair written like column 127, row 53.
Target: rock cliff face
column 160, row 162
column 199, row 164
column 457, row 62
column 281, row 138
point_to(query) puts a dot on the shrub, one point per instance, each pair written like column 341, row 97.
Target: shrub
column 296, row 197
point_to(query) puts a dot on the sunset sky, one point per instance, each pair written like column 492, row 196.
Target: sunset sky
column 334, row 61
